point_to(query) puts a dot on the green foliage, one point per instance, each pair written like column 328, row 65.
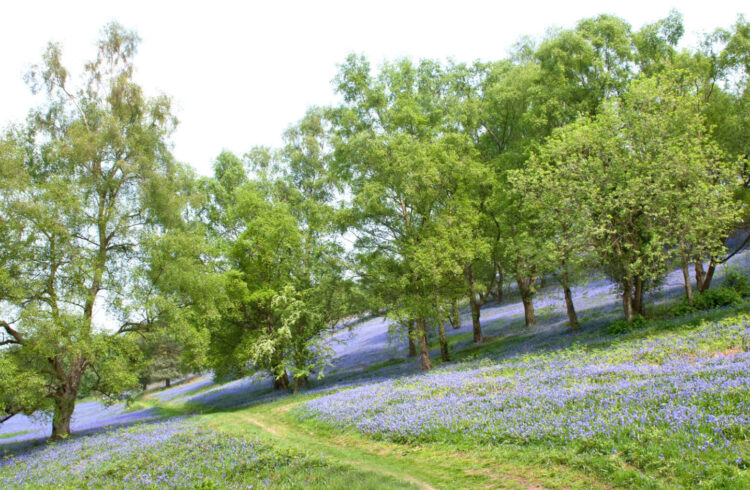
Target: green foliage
column 637, row 209
column 716, row 297
column 414, row 182
column 282, row 272
column 737, row 279
column 622, row 325
column 89, row 191
column 683, row 308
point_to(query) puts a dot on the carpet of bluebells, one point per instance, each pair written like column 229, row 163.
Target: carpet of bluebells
column 685, row 393
column 175, row 453
column 89, row 416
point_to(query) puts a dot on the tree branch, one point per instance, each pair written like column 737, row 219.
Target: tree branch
column 737, row 250
column 17, row 337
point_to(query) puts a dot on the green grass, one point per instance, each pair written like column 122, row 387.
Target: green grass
column 13, row 434
column 424, row 466
column 394, row 361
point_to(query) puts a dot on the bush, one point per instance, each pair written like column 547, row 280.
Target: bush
column 713, row 298
column 622, row 326
column 737, row 280
column 683, row 308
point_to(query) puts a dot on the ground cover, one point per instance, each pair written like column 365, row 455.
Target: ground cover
column 660, row 406
column 177, row 453
column 674, row 404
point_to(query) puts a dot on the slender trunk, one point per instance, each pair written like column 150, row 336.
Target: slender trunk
column 444, row 353
column 572, row 317
column 627, row 299
column 424, row 352
column 688, row 286
column 700, row 275
column 638, row 297
column 412, row 336
column 455, row 315
column 498, row 294
column 709, row 275
column 64, row 406
column 476, row 326
column 543, row 282
column 475, row 305
column 167, row 383
column 526, row 287
column 528, row 311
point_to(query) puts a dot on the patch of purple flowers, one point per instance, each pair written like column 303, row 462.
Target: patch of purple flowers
column 88, row 416
column 176, row 453
column 693, row 386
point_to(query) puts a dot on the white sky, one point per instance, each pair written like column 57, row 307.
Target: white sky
column 241, row 72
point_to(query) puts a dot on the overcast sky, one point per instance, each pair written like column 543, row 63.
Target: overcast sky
column 241, row 72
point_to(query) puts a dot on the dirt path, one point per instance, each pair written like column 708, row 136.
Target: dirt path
column 270, row 429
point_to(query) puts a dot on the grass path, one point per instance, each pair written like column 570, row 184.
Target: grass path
column 427, row 466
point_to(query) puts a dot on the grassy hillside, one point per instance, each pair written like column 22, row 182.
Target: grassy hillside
column 662, row 405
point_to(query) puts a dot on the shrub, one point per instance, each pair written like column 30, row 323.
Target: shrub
column 713, row 298
column 683, row 308
column 737, row 280
column 622, row 326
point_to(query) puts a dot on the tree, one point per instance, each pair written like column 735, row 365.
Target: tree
column 411, row 178
column 720, row 69
column 283, row 274
column 169, row 357
column 88, row 185
column 647, row 179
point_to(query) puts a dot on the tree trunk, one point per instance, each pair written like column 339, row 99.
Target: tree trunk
column 700, row 274
column 444, row 353
column 300, row 382
column 412, row 336
column 64, row 406
column 638, row 297
column 475, row 304
column 543, row 282
column 572, row 317
column 706, row 276
column 688, row 286
column 455, row 315
column 424, row 352
column 528, row 311
column 476, row 326
column 627, row 299
column 498, row 293
column 281, row 382
column 526, row 287
column 64, row 398
column 167, row 383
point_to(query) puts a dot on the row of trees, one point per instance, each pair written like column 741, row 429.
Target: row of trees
column 599, row 148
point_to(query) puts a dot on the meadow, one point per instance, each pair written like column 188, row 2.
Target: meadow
column 662, row 404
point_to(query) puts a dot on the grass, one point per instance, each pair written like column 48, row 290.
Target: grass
column 423, row 465
column 10, row 435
